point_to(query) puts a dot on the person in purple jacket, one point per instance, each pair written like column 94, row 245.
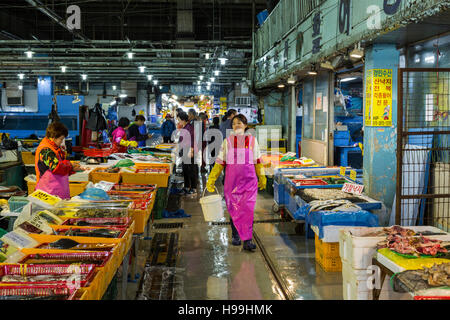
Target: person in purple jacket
column 189, row 148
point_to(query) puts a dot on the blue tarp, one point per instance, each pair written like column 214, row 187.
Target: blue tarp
column 360, row 218
column 177, row 214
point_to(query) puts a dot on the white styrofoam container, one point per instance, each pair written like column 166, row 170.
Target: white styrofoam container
column 354, row 286
column 330, row 233
column 358, row 250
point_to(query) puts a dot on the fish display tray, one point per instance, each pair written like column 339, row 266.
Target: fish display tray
column 84, row 231
column 99, row 174
column 309, row 182
column 121, row 222
column 36, row 291
column 86, row 271
column 130, row 187
column 98, row 258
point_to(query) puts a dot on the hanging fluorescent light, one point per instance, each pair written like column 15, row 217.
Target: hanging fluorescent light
column 123, row 95
column 281, row 85
column 312, row 73
column 291, row 80
column 160, row 87
column 199, row 88
column 142, row 69
column 114, row 87
column 203, row 69
column 66, row 87
column 208, row 88
column 84, row 76
column 199, row 82
column 149, row 77
column 130, row 54
column 208, row 83
column 212, row 79
column 201, row 77
column 357, row 53
column 216, row 72
column 155, row 82
column 223, row 61
column 29, row 54
column 348, row 79
column 21, row 75
column 63, row 68
column 20, row 87
column 207, row 55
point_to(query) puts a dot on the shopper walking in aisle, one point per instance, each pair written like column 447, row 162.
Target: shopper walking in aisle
column 119, row 137
column 52, row 168
column 187, row 145
column 241, row 156
column 167, row 128
column 213, row 154
column 134, row 133
column 226, row 125
column 204, row 119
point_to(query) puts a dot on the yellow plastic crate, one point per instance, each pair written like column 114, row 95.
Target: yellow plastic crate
column 75, row 187
column 327, row 255
column 97, row 176
column 160, row 180
column 27, row 157
column 141, row 216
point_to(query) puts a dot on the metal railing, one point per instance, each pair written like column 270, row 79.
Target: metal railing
column 286, row 15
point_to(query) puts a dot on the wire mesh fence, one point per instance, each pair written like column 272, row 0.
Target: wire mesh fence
column 423, row 148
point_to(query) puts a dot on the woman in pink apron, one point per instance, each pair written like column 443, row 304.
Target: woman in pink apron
column 52, row 168
column 240, row 154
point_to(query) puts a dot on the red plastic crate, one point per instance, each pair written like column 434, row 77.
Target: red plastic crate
column 102, row 257
column 38, row 290
column 86, row 270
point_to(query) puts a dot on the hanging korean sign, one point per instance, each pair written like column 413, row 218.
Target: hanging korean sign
column 378, row 98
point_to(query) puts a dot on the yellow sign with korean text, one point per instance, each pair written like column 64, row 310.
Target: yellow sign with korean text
column 353, row 175
column 342, row 171
column 378, row 111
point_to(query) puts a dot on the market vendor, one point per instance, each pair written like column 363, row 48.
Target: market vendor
column 134, row 131
column 52, row 168
column 120, row 143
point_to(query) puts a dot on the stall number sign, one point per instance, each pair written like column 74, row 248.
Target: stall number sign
column 378, row 98
column 353, row 175
column 45, row 197
column 353, row 188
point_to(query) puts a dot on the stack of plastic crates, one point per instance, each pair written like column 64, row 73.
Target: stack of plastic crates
column 327, row 255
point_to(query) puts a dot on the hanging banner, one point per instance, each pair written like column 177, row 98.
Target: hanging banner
column 378, row 98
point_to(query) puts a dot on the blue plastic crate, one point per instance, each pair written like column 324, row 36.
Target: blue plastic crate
column 278, row 193
column 341, row 138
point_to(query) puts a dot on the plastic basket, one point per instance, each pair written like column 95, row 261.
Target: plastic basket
column 17, row 203
column 97, row 175
column 87, row 270
column 142, row 176
column 75, row 187
column 38, row 290
column 28, row 157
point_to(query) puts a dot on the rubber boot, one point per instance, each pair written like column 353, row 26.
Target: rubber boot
column 249, row 245
column 235, row 239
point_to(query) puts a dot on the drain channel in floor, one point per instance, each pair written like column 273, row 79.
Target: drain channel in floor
column 174, row 225
column 160, row 280
column 226, row 223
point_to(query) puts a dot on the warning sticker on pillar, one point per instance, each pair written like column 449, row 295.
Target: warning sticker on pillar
column 378, row 98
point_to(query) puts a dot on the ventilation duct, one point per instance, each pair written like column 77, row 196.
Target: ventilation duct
column 14, row 96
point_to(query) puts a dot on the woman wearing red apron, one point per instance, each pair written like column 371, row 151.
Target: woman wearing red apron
column 240, row 154
column 52, row 168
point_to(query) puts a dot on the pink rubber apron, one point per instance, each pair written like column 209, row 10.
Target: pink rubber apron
column 241, row 183
column 54, row 184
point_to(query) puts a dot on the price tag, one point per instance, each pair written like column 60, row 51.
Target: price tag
column 20, row 239
column 342, row 172
column 41, row 197
column 353, row 175
column 353, row 188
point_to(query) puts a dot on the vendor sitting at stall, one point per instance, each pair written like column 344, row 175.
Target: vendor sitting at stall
column 52, row 168
column 134, row 132
column 119, row 137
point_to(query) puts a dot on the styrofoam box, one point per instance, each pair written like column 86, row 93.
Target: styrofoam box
column 330, row 233
column 354, row 286
column 358, row 250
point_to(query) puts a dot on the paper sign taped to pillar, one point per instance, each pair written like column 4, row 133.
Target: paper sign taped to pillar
column 378, row 112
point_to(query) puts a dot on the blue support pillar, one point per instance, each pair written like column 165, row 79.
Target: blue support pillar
column 45, row 94
column 380, row 143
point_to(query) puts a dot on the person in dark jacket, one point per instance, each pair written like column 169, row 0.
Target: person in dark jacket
column 133, row 130
column 167, row 128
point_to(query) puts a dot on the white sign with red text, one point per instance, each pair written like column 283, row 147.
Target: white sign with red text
column 353, row 188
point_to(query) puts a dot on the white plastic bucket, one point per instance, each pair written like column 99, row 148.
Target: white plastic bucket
column 212, row 207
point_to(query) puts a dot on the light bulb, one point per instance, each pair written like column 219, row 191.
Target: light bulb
column 199, row 88
column 66, row 87
column 207, row 55
column 21, row 75
column 20, row 87
column 216, row 72
column 63, row 68
column 142, row 69
column 114, row 87
column 149, row 77
column 130, row 55
column 213, row 79
column 223, row 61
column 201, row 77
column 29, row 54
column 84, row 76
column 155, row 82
